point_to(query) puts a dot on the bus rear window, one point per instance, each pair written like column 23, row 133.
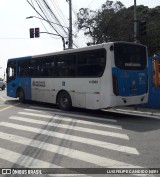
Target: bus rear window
column 128, row 56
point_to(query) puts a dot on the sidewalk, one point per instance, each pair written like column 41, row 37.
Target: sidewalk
column 139, row 111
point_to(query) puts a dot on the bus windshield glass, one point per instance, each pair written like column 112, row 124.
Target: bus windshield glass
column 130, row 56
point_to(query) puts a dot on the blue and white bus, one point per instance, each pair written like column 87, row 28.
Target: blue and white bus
column 95, row 77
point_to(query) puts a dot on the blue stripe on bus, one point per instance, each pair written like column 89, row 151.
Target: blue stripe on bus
column 131, row 82
column 24, row 83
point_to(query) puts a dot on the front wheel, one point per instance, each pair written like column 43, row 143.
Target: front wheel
column 21, row 96
column 64, row 101
column 3, row 87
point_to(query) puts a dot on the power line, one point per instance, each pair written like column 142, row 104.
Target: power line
column 53, row 14
column 42, row 15
column 62, row 16
column 90, row 3
column 48, row 14
column 42, row 23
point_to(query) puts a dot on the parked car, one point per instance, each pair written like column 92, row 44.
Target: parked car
column 2, row 84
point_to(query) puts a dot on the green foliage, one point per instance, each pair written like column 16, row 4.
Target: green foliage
column 115, row 22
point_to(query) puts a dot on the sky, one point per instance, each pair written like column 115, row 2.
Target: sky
column 14, row 31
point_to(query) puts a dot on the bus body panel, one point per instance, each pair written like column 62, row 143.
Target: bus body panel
column 124, row 101
column 106, row 82
column 46, row 90
column 11, row 89
column 91, row 92
column 131, row 83
column 14, row 85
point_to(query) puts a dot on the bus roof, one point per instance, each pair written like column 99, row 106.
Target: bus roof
column 92, row 47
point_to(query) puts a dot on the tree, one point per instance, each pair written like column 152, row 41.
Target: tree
column 101, row 25
column 115, row 22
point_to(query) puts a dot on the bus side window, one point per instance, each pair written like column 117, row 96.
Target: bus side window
column 46, row 66
column 65, row 66
column 52, row 68
column 91, row 64
column 33, row 68
column 22, row 68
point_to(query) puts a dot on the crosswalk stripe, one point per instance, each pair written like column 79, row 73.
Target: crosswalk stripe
column 68, row 175
column 68, row 152
column 55, row 111
column 79, row 121
column 99, row 132
column 79, row 155
column 24, row 160
column 45, row 108
column 36, row 115
column 98, row 143
column 68, row 119
column 34, row 110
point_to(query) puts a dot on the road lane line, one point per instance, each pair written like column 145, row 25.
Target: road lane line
column 102, row 144
column 34, row 110
column 8, row 107
column 24, row 160
column 97, row 143
column 68, row 119
column 68, row 152
column 86, row 122
column 36, row 115
column 58, row 112
column 1, row 98
column 93, row 131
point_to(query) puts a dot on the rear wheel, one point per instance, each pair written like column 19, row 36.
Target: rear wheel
column 21, row 96
column 64, row 101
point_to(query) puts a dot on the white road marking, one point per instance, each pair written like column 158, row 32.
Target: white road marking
column 133, row 111
column 99, row 132
column 68, row 152
column 38, row 163
column 68, row 119
column 93, row 142
column 8, row 107
column 2, row 98
column 36, row 115
column 24, row 160
column 58, row 112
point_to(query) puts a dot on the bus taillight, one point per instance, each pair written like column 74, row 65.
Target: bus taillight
column 115, row 85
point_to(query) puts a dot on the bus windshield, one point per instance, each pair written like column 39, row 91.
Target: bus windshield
column 130, row 56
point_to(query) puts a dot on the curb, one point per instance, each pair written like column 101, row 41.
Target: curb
column 145, row 112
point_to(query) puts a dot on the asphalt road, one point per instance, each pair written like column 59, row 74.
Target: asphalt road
column 36, row 135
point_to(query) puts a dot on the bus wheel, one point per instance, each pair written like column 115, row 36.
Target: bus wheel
column 21, row 96
column 3, row 87
column 64, row 101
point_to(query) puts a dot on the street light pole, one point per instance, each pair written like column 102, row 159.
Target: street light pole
column 70, row 45
column 135, row 21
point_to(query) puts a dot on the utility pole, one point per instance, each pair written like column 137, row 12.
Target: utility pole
column 70, row 45
column 135, row 21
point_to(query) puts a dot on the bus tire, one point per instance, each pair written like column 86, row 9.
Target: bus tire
column 64, row 101
column 21, row 96
column 3, row 87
